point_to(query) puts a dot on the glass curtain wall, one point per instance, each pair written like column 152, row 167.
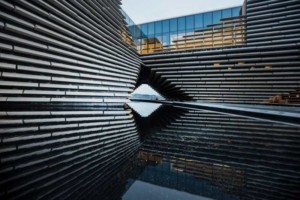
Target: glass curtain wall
column 130, row 32
column 204, row 30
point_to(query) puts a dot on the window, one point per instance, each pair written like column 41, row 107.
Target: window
column 166, row 26
column 151, row 39
column 144, row 29
column 226, row 13
column 158, row 41
column 181, row 38
column 236, row 11
column 199, row 21
column 130, row 22
column 166, row 39
column 137, row 32
column 173, row 24
column 207, row 19
column 151, row 28
column 217, row 17
column 190, row 22
column 144, row 46
column 181, row 23
column 158, row 28
column 181, row 34
column 173, row 37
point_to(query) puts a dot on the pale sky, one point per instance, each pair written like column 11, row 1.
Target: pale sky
column 141, row 11
column 145, row 89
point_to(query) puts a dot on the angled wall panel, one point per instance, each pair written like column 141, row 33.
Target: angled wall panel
column 65, row 51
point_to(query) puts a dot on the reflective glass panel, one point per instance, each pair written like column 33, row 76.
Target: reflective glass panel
column 190, row 22
column 158, row 41
column 145, row 46
column 181, row 23
column 166, row 26
column 181, row 34
column 217, row 17
column 236, row 12
column 151, row 28
column 173, row 24
column 158, row 28
column 139, row 31
column 226, row 13
column 151, row 39
column 144, row 29
column 180, row 40
column 199, row 21
column 130, row 22
column 208, row 19
column 166, row 39
column 173, row 36
column 190, row 32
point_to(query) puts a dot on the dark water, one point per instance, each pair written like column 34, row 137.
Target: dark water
column 162, row 153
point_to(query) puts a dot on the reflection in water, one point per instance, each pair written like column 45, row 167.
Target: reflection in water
column 224, row 157
column 147, row 191
column 144, row 110
column 174, row 153
column 64, row 154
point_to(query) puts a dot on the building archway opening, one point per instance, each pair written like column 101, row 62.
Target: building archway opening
column 146, row 92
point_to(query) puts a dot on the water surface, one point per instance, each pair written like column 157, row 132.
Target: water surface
column 169, row 153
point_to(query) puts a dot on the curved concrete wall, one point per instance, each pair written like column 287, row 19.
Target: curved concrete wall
column 65, row 51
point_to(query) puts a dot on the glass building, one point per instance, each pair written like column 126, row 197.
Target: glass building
column 203, row 30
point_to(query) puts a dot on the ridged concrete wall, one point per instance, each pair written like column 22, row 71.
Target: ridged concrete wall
column 65, row 51
column 268, row 65
column 273, row 22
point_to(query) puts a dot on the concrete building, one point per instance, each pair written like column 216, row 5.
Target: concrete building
column 65, row 51
column 252, row 57
column 64, row 67
column 68, row 67
column 81, row 52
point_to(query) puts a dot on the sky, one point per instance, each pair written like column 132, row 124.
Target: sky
column 141, row 11
column 145, row 89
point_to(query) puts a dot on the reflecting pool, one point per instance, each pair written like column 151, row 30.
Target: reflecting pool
column 147, row 152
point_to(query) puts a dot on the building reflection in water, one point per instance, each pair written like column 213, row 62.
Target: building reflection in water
column 105, row 153
column 221, row 156
column 51, row 153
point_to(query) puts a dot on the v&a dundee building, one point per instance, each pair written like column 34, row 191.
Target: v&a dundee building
column 229, row 127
